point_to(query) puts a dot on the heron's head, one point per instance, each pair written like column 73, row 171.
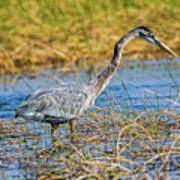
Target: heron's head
column 146, row 34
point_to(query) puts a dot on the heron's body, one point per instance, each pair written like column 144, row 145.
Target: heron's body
column 68, row 101
column 65, row 102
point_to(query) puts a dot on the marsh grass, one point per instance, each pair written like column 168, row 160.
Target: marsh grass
column 109, row 144
column 105, row 147
column 71, row 33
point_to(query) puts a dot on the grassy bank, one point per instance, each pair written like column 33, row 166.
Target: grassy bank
column 37, row 34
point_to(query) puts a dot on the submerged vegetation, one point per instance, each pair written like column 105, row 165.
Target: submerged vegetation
column 36, row 34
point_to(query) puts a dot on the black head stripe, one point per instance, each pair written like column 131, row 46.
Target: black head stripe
column 144, row 28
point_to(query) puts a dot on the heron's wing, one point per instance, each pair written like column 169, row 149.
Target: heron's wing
column 64, row 102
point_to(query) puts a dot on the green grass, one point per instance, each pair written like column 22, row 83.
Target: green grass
column 43, row 33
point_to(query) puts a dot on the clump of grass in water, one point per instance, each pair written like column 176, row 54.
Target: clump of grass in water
column 134, row 148
column 113, row 145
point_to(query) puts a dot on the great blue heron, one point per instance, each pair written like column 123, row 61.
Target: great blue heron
column 68, row 101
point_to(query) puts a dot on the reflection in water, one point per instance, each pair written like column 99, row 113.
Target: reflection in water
column 136, row 89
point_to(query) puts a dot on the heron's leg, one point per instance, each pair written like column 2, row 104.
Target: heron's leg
column 72, row 128
column 54, row 127
column 72, row 125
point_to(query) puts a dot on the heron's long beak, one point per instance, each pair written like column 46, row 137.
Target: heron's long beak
column 161, row 45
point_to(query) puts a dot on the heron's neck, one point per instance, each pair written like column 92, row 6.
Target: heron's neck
column 106, row 75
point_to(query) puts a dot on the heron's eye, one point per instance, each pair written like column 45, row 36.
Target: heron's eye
column 151, row 35
column 141, row 34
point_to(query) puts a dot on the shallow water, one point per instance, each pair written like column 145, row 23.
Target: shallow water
column 152, row 85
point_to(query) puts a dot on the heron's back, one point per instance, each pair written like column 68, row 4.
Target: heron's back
column 62, row 103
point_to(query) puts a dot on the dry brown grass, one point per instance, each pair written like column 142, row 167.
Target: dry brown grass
column 140, row 145
column 37, row 34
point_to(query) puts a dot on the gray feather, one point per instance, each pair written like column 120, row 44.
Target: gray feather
column 62, row 103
